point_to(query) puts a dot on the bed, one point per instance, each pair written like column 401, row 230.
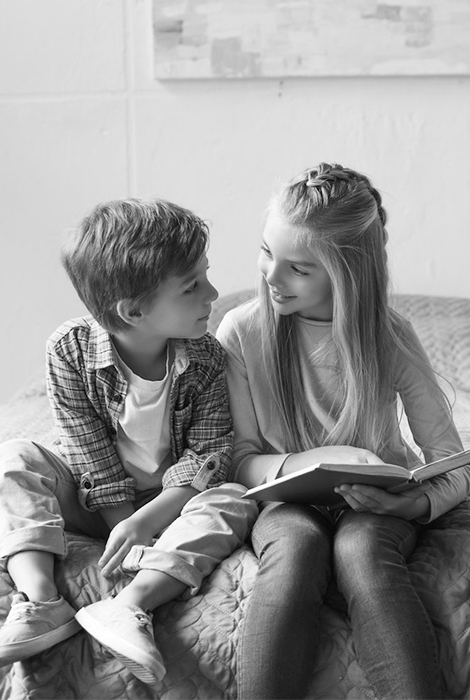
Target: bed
column 198, row 636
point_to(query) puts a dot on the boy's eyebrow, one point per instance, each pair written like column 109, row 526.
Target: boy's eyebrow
column 194, row 272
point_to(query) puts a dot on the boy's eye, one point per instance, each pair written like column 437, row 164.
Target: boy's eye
column 192, row 287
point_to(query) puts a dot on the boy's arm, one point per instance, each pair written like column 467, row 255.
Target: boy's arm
column 143, row 525
column 202, row 425
column 85, row 429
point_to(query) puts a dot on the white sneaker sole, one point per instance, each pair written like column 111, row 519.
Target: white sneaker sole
column 18, row 651
column 145, row 667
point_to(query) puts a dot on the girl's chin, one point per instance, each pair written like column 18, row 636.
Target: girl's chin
column 282, row 310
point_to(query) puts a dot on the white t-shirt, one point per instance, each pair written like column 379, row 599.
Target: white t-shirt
column 143, row 438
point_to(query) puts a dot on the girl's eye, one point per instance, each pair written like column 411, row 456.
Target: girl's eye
column 266, row 251
column 301, row 273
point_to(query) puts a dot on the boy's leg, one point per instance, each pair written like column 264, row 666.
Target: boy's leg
column 211, row 526
column 34, row 484
column 37, row 492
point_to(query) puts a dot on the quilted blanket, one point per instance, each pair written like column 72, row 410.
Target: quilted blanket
column 198, row 636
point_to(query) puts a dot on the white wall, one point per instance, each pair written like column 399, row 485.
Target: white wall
column 82, row 120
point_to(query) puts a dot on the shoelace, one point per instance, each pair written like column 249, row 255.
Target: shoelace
column 19, row 613
column 144, row 621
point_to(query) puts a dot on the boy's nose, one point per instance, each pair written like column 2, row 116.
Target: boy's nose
column 212, row 292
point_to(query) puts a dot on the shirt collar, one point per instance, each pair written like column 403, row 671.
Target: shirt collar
column 100, row 348
column 101, row 352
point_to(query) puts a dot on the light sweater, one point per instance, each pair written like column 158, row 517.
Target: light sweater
column 259, row 447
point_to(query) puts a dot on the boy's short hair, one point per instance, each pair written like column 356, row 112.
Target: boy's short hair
column 125, row 249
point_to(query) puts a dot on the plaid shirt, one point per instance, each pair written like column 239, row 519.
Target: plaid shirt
column 87, row 393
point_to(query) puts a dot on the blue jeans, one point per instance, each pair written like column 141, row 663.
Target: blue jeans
column 279, row 637
column 393, row 635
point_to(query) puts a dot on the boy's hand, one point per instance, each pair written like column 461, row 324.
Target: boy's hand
column 133, row 530
column 143, row 525
column 408, row 505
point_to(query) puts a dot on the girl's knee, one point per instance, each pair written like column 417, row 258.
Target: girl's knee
column 354, row 541
column 291, row 535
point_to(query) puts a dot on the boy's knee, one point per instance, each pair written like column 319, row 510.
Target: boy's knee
column 227, row 496
column 22, row 456
column 18, row 450
column 225, row 502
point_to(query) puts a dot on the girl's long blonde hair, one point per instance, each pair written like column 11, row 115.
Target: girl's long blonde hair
column 337, row 213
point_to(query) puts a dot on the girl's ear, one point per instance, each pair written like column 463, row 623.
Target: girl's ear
column 129, row 311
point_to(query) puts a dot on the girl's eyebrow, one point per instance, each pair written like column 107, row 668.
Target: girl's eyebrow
column 302, row 263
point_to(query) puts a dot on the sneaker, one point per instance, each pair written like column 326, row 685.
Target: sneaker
column 127, row 632
column 33, row 627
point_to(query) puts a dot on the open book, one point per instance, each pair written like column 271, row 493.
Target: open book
column 315, row 484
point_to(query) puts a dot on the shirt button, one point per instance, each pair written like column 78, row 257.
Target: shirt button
column 117, row 398
column 211, row 465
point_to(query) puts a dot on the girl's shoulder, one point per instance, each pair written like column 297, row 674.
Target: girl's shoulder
column 403, row 328
column 242, row 316
column 240, row 324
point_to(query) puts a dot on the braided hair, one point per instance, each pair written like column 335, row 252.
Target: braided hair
column 339, row 216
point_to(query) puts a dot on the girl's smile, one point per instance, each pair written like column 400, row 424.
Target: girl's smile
column 297, row 280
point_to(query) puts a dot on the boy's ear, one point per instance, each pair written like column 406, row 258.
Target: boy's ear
column 129, row 311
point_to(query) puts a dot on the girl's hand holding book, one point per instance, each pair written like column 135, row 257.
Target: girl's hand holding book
column 409, row 505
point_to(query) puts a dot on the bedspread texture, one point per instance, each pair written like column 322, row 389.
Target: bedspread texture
column 198, row 637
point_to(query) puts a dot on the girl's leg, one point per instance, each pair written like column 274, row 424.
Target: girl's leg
column 279, row 637
column 393, row 635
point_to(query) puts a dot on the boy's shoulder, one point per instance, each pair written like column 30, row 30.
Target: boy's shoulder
column 205, row 351
column 82, row 335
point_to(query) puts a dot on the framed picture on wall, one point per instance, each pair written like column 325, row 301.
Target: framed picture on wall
column 301, row 38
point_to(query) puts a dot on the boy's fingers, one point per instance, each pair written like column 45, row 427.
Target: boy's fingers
column 109, row 566
column 112, row 547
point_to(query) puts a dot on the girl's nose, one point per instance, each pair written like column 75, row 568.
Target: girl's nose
column 272, row 275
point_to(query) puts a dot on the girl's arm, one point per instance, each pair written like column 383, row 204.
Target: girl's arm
column 432, row 427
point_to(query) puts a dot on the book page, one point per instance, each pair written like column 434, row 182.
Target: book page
column 441, row 466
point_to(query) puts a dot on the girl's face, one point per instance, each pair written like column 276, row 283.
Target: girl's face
column 298, row 282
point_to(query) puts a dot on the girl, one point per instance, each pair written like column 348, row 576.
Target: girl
column 315, row 368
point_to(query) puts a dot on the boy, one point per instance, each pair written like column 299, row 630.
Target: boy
column 139, row 397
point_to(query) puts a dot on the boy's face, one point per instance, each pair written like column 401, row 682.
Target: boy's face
column 181, row 307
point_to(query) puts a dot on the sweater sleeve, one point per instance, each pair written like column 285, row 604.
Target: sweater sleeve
column 431, row 424
column 254, row 463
